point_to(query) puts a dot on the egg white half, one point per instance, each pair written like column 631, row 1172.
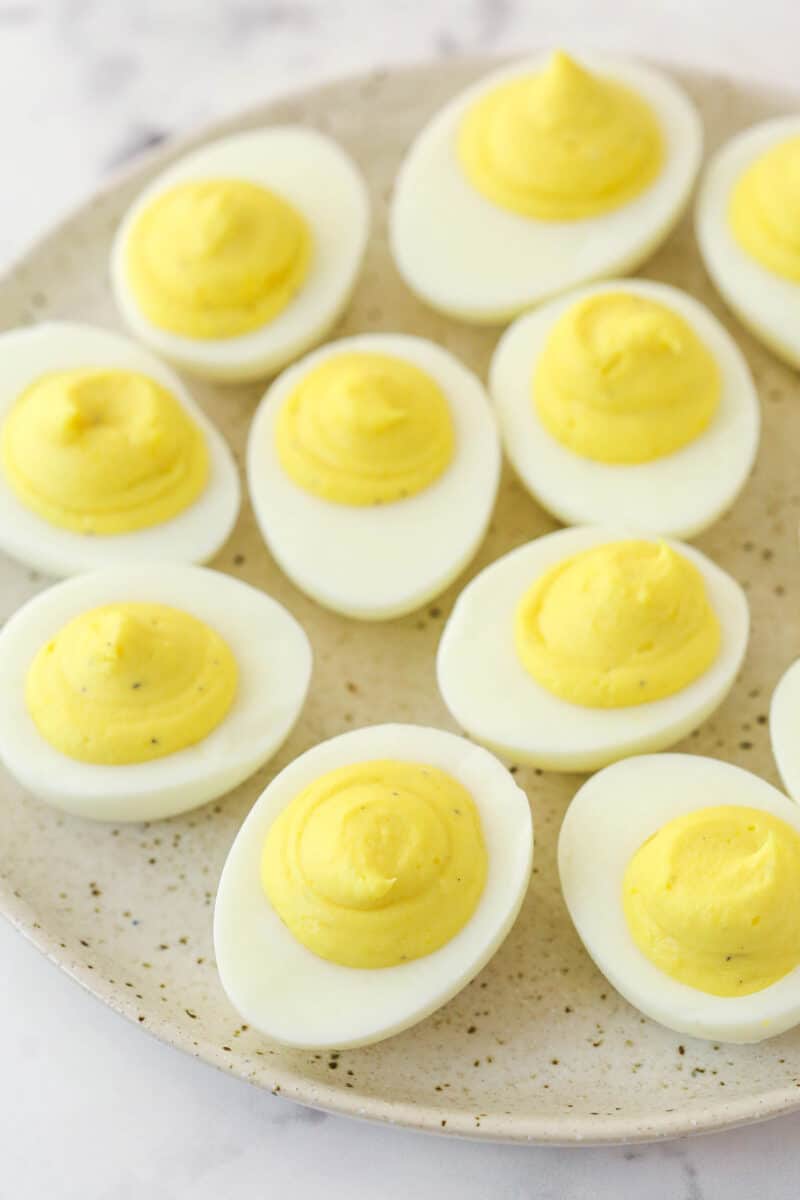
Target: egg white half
column 675, row 496
column 318, row 178
column 281, row 988
column 470, row 258
column 766, row 303
column 193, row 535
column 494, row 698
column 784, row 729
column 611, row 816
column 273, row 655
column 380, row 561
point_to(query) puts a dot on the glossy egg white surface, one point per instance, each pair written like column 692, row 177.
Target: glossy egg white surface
column 784, row 729
column 677, row 495
column 193, row 535
column 470, row 258
column 292, row 996
column 496, row 701
column 273, row 655
column 766, row 303
column 377, row 562
column 611, row 816
column 312, row 173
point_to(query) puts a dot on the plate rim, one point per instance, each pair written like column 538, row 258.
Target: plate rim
column 528, row 1128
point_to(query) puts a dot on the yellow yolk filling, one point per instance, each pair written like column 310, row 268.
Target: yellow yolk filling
column 376, row 863
column 127, row 683
column 561, row 145
column 713, row 899
column 616, row 625
column 765, row 210
column 623, row 379
column 363, row 428
column 216, row 258
column 102, row 451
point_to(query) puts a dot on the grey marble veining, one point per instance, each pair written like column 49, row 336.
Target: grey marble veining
column 89, row 1107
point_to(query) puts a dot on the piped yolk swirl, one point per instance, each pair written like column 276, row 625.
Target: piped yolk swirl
column 216, row 258
column 376, row 863
column 561, row 145
column 618, row 624
column 363, row 428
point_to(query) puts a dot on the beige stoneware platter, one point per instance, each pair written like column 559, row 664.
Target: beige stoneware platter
column 539, row 1047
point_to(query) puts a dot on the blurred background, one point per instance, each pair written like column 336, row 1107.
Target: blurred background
column 85, row 84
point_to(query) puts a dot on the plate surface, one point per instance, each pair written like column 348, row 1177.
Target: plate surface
column 539, row 1047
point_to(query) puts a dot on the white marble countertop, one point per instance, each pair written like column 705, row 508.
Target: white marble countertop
column 89, row 1107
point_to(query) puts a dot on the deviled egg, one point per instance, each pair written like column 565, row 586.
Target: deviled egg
column 784, row 729
column 105, row 458
column 748, row 230
column 136, row 693
column 543, row 176
column 370, row 882
column 682, row 878
column 242, row 254
column 373, row 467
column 588, row 645
column 627, row 403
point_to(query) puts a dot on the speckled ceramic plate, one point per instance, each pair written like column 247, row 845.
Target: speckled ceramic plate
column 538, row 1047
